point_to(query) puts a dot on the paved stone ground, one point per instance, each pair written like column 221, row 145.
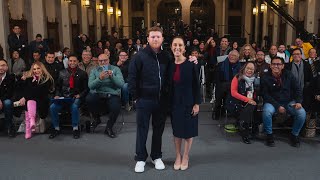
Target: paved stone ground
column 214, row 155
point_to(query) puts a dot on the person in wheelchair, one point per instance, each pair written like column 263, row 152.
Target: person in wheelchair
column 105, row 81
column 71, row 89
column 242, row 102
column 282, row 94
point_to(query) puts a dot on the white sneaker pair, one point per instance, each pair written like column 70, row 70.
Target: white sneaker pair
column 158, row 164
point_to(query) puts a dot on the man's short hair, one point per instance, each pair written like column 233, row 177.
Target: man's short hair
column 154, row 28
column 297, row 49
column 4, row 61
column 73, row 55
column 65, row 49
column 36, row 51
column 277, row 57
column 49, row 52
column 38, row 35
column 86, row 51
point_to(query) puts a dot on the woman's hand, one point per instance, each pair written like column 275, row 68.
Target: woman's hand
column 195, row 110
column 193, row 59
column 22, row 101
column 252, row 102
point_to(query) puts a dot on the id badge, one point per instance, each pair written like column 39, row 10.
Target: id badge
column 249, row 94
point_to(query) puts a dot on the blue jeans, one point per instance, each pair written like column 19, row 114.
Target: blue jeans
column 8, row 112
column 299, row 117
column 125, row 93
column 55, row 108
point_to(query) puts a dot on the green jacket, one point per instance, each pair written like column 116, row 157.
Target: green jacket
column 111, row 85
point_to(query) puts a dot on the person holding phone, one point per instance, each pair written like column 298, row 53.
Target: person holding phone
column 105, row 81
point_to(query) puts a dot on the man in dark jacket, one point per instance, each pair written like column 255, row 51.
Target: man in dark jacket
column 17, row 42
column 147, row 72
column 7, row 83
column 52, row 66
column 282, row 94
column 225, row 72
column 71, row 88
column 148, row 84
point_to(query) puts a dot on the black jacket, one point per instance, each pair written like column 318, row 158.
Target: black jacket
column 148, row 73
column 7, row 87
column 16, row 44
column 53, row 69
column 289, row 89
column 80, row 84
column 36, row 91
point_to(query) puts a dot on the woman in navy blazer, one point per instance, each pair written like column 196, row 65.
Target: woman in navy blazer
column 185, row 92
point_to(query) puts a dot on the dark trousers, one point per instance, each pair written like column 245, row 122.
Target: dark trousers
column 145, row 109
column 113, row 105
column 222, row 90
column 246, row 118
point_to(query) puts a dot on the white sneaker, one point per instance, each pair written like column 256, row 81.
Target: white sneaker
column 140, row 167
column 158, row 164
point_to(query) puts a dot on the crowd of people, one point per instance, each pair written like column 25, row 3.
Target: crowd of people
column 285, row 83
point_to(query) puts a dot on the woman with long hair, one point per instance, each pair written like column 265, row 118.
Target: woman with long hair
column 185, row 89
column 211, row 57
column 247, row 53
column 242, row 102
column 38, row 83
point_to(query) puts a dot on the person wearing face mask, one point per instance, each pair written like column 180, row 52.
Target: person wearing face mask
column 185, row 89
column 243, row 103
column 37, row 85
column 71, row 89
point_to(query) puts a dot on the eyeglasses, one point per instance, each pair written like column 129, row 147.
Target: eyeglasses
column 296, row 54
column 260, row 54
column 276, row 64
column 122, row 55
column 103, row 60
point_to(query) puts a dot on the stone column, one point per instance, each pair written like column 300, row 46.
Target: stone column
column 265, row 24
column 185, row 10
column 311, row 16
column 98, row 24
column 39, row 21
column 4, row 32
column 289, row 37
column 109, row 17
column 147, row 14
column 275, row 33
column 247, row 19
column 84, row 18
column 125, row 18
column 65, row 24
column 256, row 20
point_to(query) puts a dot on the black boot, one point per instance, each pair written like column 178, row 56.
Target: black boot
column 108, row 131
column 294, row 141
column 54, row 133
column 88, row 124
column 96, row 121
column 270, row 141
column 12, row 132
column 244, row 131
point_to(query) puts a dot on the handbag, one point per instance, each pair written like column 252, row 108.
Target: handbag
column 41, row 126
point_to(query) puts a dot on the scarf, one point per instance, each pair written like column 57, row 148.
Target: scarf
column 71, row 79
column 298, row 73
column 249, row 82
column 278, row 80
